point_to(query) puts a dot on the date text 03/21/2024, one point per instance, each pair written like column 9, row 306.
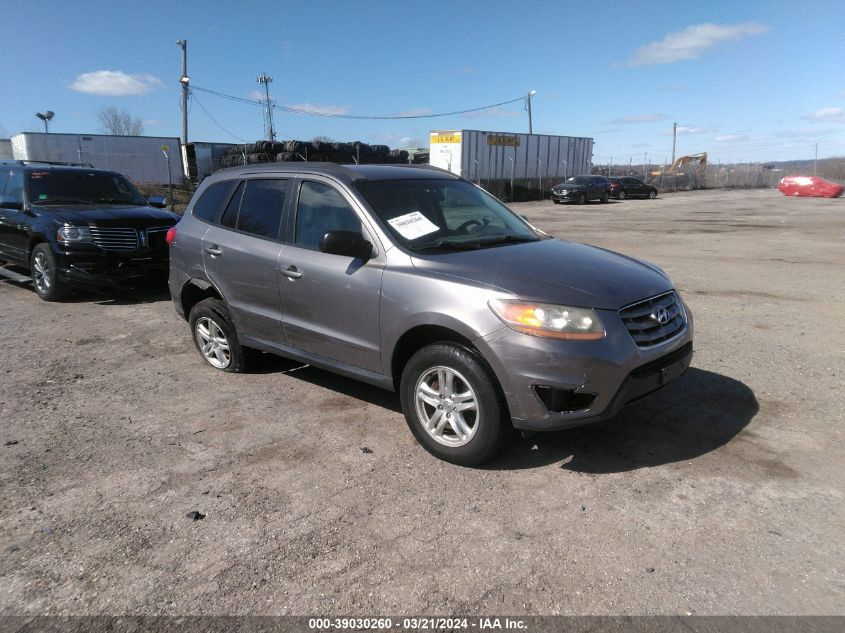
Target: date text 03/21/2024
column 417, row 624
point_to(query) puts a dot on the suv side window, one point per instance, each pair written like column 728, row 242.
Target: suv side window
column 207, row 207
column 230, row 215
column 261, row 207
column 14, row 187
column 321, row 209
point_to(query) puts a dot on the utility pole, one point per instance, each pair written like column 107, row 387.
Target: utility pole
column 185, row 81
column 674, row 138
column 528, row 105
column 265, row 80
column 645, row 161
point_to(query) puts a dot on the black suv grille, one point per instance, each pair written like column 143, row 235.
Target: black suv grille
column 115, row 239
column 643, row 319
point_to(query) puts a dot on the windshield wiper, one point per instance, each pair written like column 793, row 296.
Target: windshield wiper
column 447, row 245
column 507, row 239
column 64, row 201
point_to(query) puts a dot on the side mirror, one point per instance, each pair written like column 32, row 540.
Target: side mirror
column 346, row 243
column 159, row 202
column 11, row 202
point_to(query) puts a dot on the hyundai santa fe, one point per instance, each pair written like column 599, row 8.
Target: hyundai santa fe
column 415, row 280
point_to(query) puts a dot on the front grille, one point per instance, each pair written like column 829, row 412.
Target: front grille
column 114, row 238
column 157, row 238
column 641, row 319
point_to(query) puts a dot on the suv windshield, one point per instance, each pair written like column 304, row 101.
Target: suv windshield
column 81, row 187
column 443, row 214
column 577, row 180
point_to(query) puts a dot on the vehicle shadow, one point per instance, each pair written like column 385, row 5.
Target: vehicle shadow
column 152, row 293
column 272, row 364
column 695, row 415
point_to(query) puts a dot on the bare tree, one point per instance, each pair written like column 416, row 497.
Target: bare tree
column 323, row 139
column 119, row 122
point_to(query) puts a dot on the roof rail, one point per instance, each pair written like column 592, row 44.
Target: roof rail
column 45, row 162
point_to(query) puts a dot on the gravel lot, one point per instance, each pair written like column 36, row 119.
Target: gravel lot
column 721, row 494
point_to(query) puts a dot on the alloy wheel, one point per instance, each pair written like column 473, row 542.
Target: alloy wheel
column 212, row 343
column 447, row 406
column 41, row 272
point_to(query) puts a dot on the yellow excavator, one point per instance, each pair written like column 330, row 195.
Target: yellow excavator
column 675, row 168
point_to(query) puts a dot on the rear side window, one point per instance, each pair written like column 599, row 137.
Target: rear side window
column 14, row 187
column 230, row 215
column 209, row 203
column 261, row 207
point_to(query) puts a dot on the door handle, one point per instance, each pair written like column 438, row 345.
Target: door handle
column 213, row 250
column 291, row 272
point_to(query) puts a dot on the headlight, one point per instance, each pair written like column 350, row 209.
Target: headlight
column 550, row 321
column 70, row 233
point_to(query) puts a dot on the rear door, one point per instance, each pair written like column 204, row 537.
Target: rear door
column 14, row 223
column 241, row 255
column 330, row 303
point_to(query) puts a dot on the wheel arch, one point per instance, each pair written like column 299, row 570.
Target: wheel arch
column 194, row 291
column 418, row 337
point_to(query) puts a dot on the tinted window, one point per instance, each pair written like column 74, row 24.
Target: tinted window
column 208, row 205
column 230, row 215
column 14, row 186
column 322, row 209
column 261, row 207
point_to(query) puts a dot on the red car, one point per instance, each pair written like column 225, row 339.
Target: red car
column 810, row 186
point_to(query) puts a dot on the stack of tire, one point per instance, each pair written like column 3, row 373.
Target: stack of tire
column 312, row 151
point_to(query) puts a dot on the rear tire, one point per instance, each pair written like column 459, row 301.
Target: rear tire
column 652, row 194
column 215, row 337
column 453, row 404
column 45, row 277
column 621, row 195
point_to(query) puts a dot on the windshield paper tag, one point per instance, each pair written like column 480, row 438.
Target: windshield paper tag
column 413, row 225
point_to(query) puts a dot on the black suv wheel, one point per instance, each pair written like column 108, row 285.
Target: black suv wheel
column 45, row 274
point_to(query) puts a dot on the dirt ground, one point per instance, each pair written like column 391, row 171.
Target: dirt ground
column 721, row 494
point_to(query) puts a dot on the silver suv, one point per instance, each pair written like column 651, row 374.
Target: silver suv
column 414, row 280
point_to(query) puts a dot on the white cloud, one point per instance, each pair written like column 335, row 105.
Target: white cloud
column 733, row 138
column 686, row 129
column 642, row 118
column 692, row 42
column 115, row 83
column 827, row 114
column 495, row 112
column 311, row 108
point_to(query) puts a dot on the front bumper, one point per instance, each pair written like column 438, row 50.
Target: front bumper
column 94, row 269
column 597, row 377
column 567, row 196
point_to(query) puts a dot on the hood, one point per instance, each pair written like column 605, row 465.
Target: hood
column 554, row 271
column 82, row 214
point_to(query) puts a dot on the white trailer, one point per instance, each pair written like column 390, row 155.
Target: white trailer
column 140, row 158
column 505, row 162
column 6, row 149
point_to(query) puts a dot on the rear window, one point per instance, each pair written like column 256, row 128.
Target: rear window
column 208, row 205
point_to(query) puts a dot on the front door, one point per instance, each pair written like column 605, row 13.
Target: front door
column 241, row 256
column 330, row 303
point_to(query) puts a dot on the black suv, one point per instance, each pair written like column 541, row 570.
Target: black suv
column 78, row 226
column 580, row 189
column 627, row 187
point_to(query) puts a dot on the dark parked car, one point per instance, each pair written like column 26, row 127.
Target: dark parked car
column 78, row 226
column 414, row 280
column 627, row 187
column 580, row 189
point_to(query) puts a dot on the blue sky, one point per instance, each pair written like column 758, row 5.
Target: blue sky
column 744, row 80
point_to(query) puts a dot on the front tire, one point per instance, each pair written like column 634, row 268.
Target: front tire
column 581, row 199
column 45, row 277
column 652, row 194
column 453, row 404
column 605, row 198
column 215, row 337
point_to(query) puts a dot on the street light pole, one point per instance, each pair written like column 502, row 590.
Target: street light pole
column 528, row 105
column 185, row 81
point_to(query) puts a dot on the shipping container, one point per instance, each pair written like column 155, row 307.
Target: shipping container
column 141, row 158
column 511, row 165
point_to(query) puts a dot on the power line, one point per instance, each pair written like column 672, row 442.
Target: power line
column 194, row 98
column 334, row 115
